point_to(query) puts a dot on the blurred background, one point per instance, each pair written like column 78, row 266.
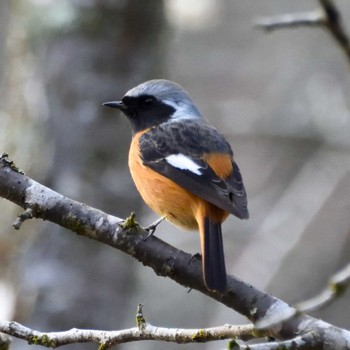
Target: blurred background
column 281, row 99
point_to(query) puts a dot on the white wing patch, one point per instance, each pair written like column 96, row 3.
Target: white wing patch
column 182, row 162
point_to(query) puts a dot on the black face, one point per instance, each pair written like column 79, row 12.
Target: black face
column 145, row 111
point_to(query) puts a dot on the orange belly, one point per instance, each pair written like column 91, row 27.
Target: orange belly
column 166, row 198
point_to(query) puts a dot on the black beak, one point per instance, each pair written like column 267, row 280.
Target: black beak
column 116, row 104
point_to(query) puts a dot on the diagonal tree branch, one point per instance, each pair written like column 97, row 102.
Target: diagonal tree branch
column 128, row 237
column 271, row 316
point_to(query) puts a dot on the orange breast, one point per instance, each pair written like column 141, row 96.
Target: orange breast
column 165, row 197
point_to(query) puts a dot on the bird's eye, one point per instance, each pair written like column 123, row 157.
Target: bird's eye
column 147, row 102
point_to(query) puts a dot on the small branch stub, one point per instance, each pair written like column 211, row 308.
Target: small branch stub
column 27, row 214
column 140, row 320
column 10, row 163
column 129, row 222
column 5, row 342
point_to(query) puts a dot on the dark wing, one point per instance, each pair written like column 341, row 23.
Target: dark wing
column 177, row 154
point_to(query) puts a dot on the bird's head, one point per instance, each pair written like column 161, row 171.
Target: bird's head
column 155, row 102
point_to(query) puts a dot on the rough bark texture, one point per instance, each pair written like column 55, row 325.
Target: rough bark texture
column 271, row 315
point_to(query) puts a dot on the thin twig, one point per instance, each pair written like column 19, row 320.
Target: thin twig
column 110, row 338
column 328, row 17
column 309, row 19
column 27, row 214
column 337, row 285
column 303, row 342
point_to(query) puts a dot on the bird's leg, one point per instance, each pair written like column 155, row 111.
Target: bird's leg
column 152, row 228
column 195, row 256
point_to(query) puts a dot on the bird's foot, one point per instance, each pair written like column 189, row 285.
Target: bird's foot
column 152, row 228
column 195, row 256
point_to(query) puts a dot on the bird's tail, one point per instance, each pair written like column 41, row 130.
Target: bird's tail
column 213, row 259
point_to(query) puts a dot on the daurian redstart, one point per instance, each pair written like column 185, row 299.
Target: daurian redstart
column 183, row 168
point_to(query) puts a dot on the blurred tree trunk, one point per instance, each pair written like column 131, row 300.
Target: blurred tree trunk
column 103, row 50
column 20, row 135
column 6, row 243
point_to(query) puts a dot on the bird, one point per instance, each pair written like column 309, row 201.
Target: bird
column 183, row 168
